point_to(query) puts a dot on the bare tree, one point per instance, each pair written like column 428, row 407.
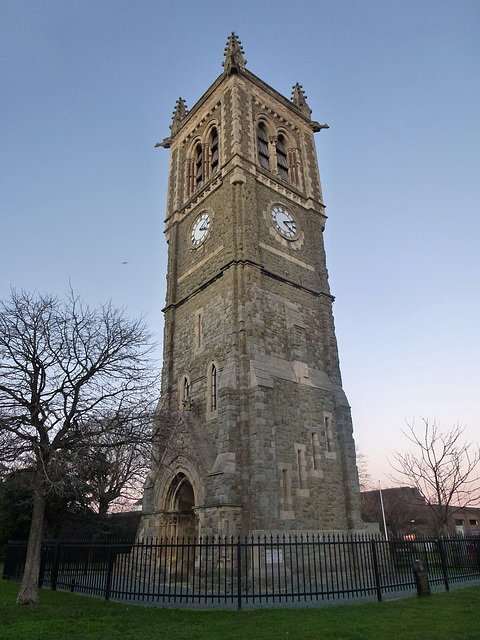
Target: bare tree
column 443, row 467
column 364, row 477
column 72, row 380
column 115, row 471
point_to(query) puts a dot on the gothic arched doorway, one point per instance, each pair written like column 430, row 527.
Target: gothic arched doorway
column 181, row 521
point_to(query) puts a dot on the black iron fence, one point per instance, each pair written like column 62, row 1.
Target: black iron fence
column 247, row 571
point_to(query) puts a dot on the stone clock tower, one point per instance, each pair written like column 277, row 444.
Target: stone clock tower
column 255, row 429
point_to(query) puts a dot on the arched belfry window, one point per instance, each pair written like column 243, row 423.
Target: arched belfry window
column 213, row 151
column 282, row 161
column 277, row 153
column 262, row 143
column 202, row 161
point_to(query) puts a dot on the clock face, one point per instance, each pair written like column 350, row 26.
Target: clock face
column 284, row 222
column 200, row 229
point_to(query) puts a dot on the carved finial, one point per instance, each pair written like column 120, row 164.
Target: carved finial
column 234, row 60
column 298, row 95
column 178, row 115
column 299, row 100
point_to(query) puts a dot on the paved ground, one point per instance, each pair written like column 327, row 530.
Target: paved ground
column 261, row 603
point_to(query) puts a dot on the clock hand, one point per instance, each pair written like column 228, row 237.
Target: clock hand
column 204, row 227
column 290, row 225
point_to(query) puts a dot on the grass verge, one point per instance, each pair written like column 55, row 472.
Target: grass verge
column 443, row 616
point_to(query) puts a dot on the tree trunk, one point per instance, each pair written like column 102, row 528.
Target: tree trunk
column 29, row 587
column 105, row 499
column 103, row 504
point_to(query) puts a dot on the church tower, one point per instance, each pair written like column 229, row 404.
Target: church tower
column 255, row 431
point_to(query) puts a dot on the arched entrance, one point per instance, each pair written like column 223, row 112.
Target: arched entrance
column 180, row 520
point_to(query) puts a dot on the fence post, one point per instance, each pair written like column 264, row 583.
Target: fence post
column 109, row 572
column 56, row 561
column 376, row 571
column 441, row 548
column 420, row 573
column 476, row 547
column 239, row 574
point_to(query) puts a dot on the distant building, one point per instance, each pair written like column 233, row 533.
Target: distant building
column 407, row 513
column 467, row 521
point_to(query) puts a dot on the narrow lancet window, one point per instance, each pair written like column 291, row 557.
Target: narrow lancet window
column 328, row 434
column 198, row 331
column 285, row 480
column 213, row 388
column 316, row 451
column 186, row 390
column 302, row 469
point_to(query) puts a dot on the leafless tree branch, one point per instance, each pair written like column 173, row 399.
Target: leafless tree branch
column 74, row 382
column 443, row 467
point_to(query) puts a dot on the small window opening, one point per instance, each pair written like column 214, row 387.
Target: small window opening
column 316, row 451
column 198, row 330
column 186, row 390
column 302, row 470
column 285, row 492
column 328, row 434
column 213, row 388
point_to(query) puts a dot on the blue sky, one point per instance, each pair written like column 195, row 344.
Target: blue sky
column 88, row 87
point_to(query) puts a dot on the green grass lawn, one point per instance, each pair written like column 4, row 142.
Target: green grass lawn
column 444, row 616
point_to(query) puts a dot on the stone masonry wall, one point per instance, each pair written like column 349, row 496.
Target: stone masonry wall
column 277, row 453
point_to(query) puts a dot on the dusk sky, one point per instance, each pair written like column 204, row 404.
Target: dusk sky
column 88, row 87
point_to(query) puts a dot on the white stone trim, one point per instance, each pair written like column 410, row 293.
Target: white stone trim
column 200, row 264
column 284, row 255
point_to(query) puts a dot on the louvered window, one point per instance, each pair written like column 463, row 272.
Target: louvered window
column 263, row 158
column 282, row 163
column 198, row 166
column 214, row 152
